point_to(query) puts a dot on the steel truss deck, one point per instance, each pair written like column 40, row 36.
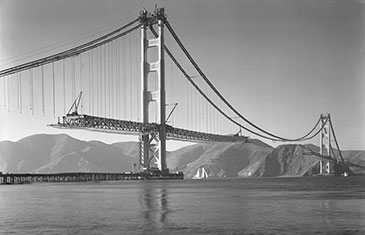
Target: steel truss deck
column 93, row 123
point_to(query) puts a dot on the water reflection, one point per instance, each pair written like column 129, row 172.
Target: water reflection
column 154, row 199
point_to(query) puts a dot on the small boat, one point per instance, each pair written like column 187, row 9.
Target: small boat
column 201, row 174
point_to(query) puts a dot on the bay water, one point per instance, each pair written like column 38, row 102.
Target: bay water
column 310, row 205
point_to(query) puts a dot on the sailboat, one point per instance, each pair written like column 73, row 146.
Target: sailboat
column 201, row 174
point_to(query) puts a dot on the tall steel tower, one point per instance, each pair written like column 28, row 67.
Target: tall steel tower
column 153, row 145
column 325, row 145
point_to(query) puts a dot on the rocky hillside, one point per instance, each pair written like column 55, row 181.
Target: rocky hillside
column 220, row 159
column 288, row 160
column 62, row 153
column 255, row 159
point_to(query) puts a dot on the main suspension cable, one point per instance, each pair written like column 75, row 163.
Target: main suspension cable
column 205, row 96
column 334, row 136
column 222, row 97
column 64, row 54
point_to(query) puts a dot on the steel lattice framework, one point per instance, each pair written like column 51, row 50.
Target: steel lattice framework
column 93, row 123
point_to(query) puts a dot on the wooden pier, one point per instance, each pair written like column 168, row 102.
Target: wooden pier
column 83, row 177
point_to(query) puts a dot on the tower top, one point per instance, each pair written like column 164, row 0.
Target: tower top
column 158, row 14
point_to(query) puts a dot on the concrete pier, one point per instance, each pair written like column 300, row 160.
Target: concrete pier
column 83, row 177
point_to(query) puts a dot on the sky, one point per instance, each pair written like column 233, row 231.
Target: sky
column 280, row 63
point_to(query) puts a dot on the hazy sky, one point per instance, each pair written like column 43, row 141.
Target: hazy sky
column 280, row 62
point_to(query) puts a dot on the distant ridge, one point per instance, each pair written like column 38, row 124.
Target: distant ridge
column 61, row 153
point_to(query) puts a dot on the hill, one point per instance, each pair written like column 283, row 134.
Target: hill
column 288, row 160
column 255, row 159
column 219, row 159
column 62, row 153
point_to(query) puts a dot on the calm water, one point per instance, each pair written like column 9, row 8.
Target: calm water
column 228, row 206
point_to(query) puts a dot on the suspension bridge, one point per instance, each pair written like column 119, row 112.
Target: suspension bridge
column 139, row 80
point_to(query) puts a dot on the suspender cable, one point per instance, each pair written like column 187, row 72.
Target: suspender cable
column 110, row 80
column 200, row 116
column 105, row 81
column 111, row 74
column 8, row 93
column 130, row 76
column 92, row 91
column 4, row 90
column 124, row 80
column 117, row 77
column 196, row 104
column 213, row 115
column 120, row 77
column 92, row 94
column 127, row 77
column 108, row 71
column 181, row 98
column 89, row 80
column 94, row 76
column 114, row 79
column 81, row 88
column 173, row 98
column 17, row 91
column 64, row 85
column 102, row 80
column 193, row 109
column 137, row 76
column 31, row 90
column 187, row 105
column 107, row 76
column 191, row 104
column 96, row 82
column 99, row 82
column 206, row 118
column 20, row 93
column 42, row 78
column 53, row 90
column 73, row 79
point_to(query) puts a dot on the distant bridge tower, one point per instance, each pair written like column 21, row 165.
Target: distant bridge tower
column 153, row 145
column 325, row 166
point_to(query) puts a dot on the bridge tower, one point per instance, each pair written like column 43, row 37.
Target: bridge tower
column 152, row 144
column 325, row 166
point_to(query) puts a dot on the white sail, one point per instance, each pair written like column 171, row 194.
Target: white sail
column 204, row 174
column 197, row 175
column 200, row 174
